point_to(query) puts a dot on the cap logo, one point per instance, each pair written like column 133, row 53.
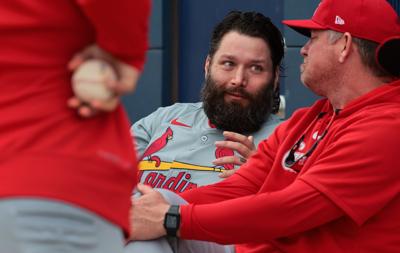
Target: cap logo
column 339, row 21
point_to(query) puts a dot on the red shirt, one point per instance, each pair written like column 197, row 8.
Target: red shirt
column 46, row 150
column 343, row 198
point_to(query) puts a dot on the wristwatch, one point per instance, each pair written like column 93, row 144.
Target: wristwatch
column 172, row 220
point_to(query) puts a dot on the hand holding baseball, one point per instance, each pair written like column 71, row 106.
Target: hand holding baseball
column 89, row 81
column 113, row 79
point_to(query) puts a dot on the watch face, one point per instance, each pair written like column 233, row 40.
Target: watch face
column 172, row 221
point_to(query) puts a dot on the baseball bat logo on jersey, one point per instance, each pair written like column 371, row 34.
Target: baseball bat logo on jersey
column 157, row 171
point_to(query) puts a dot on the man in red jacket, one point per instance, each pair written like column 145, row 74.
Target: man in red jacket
column 327, row 180
column 62, row 169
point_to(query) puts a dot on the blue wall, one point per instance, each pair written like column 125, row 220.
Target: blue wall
column 396, row 5
column 154, row 86
column 296, row 94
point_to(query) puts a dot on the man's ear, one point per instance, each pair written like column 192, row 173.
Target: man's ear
column 207, row 64
column 345, row 46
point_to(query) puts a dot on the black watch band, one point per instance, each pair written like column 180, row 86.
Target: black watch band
column 172, row 220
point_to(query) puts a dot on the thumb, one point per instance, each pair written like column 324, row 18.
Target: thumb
column 76, row 60
column 227, row 173
column 250, row 138
column 144, row 189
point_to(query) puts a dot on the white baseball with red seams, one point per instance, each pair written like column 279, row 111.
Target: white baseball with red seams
column 90, row 78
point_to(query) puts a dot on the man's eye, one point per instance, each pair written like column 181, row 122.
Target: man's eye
column 228, row 64
column 257, row 68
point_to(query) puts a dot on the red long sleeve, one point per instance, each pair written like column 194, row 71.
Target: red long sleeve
column 260, row 217
column 121, row 28
column 246, row 181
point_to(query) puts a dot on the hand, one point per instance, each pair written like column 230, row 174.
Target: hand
column 127, row 80
column 147, row 214
column 244, row 145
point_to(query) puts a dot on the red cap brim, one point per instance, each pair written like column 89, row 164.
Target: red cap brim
column 303, row 26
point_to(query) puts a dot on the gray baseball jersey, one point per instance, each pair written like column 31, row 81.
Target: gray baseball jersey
column 177, row 146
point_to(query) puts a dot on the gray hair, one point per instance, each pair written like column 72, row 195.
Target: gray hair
column 367, row 50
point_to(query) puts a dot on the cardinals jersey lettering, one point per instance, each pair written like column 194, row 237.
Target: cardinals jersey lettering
column 177, row 147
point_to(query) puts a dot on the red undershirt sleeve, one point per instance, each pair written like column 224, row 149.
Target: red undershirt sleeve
column 259, row 217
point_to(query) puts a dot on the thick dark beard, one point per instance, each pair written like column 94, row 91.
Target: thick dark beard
column 233, row 116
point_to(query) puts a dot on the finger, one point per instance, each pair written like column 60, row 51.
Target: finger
column 76, row 60
column 248, row 141
column 227, row 173
column 127, row 79
column 253, row 146
column 106, row 105
column 118, row 87
column 242, row 160
column 121, row 87
column 229, row 160
column 243, row 150
column 73, row 103
column 86, row 111
column 92, row 51
column 144, row 189
column 235, row 136
column 83, row 109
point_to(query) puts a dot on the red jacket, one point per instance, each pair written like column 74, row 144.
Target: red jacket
column 343, row 198
column 46, row 150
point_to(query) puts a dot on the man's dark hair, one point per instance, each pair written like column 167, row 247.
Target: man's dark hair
column 256, row 25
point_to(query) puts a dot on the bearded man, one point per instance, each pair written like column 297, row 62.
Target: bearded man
column 188, row 145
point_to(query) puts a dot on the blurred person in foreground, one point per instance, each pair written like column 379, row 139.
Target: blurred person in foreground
column 64, row 162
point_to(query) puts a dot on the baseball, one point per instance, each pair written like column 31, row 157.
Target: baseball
column 89, row 80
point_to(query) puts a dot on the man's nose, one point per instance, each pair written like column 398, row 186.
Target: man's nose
column 304, row 49
column 239, row 77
